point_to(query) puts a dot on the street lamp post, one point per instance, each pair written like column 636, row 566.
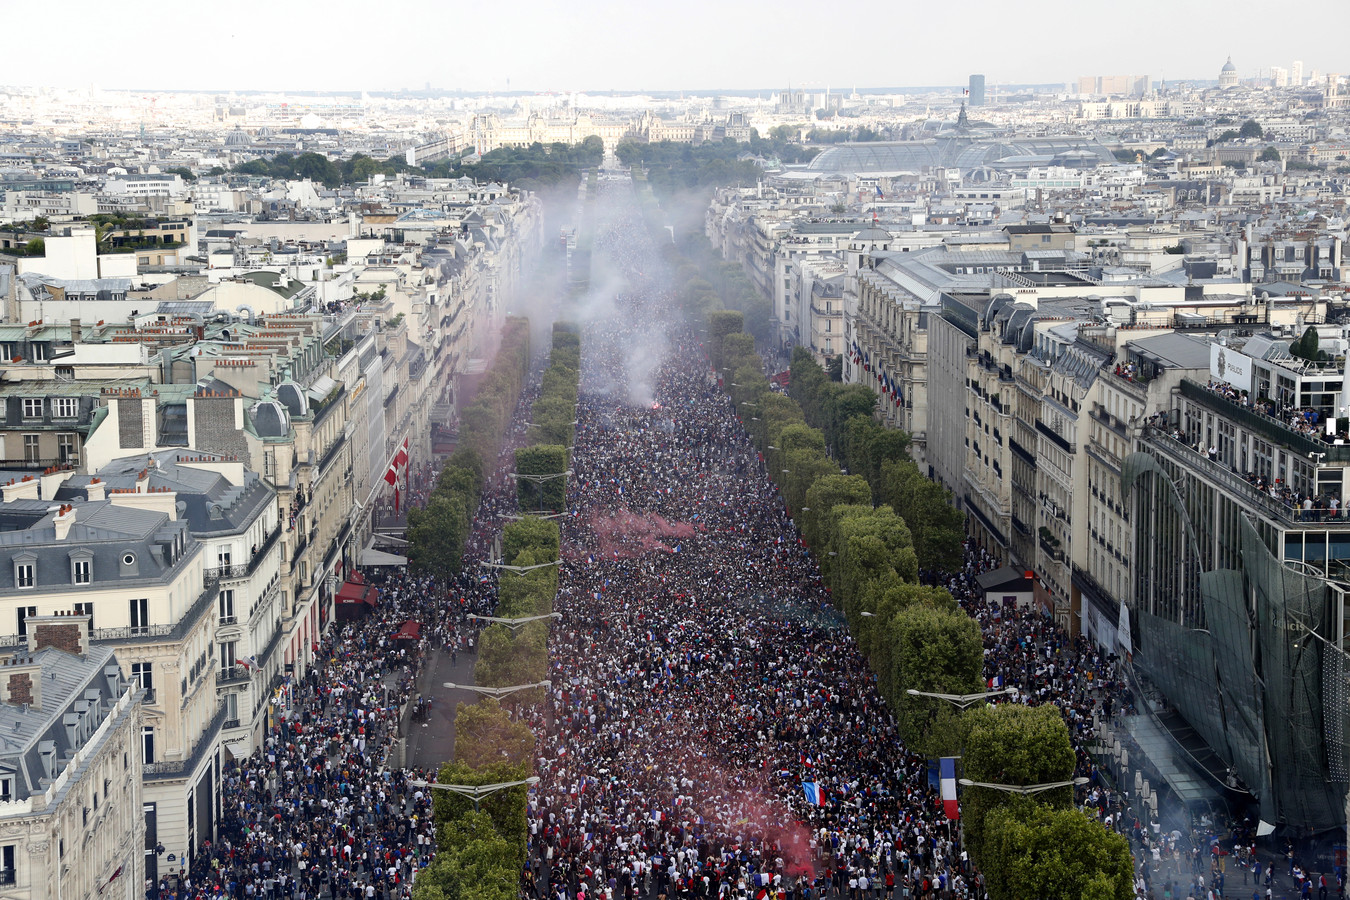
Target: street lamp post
column 960, row 701
column 516, row 623
column 520, row 570
column 476, row 792
column 1025, row 790
column 496, row 692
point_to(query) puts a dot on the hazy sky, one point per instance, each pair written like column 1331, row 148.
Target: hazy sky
column 691, row 45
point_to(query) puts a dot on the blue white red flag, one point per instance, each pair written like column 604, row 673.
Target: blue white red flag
column 947, row 776
column 815, row 794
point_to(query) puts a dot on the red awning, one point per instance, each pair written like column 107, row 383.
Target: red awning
column 352, row 592
column 410, row 631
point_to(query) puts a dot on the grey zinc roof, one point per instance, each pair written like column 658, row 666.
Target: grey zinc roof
column 959, row 151
column 102, row 531
column 270, row 419
column 1174, row 350
column 208, row 500
column 65, row 678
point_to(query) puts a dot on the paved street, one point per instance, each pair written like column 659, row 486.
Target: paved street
column 432, row 742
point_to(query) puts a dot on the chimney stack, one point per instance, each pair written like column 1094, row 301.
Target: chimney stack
column 65, row 517
column 66, row 631
column 21, row 681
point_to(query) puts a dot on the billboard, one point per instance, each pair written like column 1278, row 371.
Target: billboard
column 1230, row 366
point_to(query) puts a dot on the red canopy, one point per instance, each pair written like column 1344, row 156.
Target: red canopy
column 356, row 592
column 410, row 631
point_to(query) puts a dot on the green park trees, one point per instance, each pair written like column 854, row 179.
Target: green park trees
column 1033, row 850
column 480, row 848
column 541, row 483
column 873, row 529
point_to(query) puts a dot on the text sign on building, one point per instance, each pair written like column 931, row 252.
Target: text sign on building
column 1226, row 364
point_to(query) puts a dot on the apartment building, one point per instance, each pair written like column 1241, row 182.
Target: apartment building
column 71, row 818
column 125, row 563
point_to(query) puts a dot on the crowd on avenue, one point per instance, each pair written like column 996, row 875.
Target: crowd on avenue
column 702, row 685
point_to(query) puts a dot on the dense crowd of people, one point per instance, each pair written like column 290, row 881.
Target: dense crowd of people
column 702, row 679
column 712, row 730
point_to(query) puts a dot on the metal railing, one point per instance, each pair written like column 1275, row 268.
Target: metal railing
column 146, row 633
column 1262, row 423
column 1188, row 457
column 244, row 569
column 271, row 647
column 331, row 453
column 232, row 675
column 178, row 767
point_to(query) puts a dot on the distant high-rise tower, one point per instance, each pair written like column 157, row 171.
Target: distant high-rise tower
column 976, row 90
column 1296, row 74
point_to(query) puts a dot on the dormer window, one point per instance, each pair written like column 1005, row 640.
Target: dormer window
column 65, row 407
column 25, row 571
column 32, row 407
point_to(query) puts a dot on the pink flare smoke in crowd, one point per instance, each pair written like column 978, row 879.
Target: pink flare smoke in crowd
column 626, row 534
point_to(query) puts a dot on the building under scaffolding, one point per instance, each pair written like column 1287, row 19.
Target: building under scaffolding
column 1239, row 616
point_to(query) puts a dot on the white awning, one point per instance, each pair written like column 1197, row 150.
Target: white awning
column 372, row 557
column 321, row 388
column 238, row 749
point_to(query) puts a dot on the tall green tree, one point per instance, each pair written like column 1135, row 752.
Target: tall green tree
column 1012, row 744
column 936, row 651
column 822, row 497
column 1032, row 850
column 436, row 535
column 926, row 506
column 546, row 490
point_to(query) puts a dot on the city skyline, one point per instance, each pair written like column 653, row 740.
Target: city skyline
column 590, row 46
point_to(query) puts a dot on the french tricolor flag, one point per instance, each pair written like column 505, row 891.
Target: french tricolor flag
column 947, row 777
column 995, row 682
column 815, row 794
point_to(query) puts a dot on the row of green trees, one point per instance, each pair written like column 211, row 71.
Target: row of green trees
column 481, row 849
column 872, row 529
column 914, row 636
column 536, row 167
column 437, row 531
column 673, row 168
column 844, row 415
column 541, row 485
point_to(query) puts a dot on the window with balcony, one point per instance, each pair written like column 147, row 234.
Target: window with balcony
column 66, row 449
column 81, row 571
column 140, row 615
column 227, row 608
column 147, row 744
column 228, row 657
column 25, row 574
column 142, row 675
column 7, row 864
column 32, row 447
